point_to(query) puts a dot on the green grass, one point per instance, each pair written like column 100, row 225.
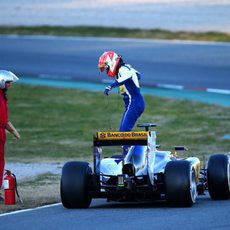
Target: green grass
column 59, row 124
column 115, row 32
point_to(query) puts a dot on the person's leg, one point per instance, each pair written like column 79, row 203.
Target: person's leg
column 121, row 129
column 129, row 119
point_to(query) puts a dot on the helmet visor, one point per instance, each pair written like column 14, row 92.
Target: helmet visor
column 103, row 67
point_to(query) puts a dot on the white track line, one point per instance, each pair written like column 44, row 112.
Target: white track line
column 181, row 87
column 28, row 210
column 221, row 91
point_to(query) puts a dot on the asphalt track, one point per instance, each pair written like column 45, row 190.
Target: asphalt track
column 196, row 65
column 205, row 214
column 193, row 66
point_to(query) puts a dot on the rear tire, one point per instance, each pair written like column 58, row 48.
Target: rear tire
column 180, row 184
column 74, row 185
column 218, row 177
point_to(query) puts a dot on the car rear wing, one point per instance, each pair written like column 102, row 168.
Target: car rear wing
column 146, row 138
column 121, row 138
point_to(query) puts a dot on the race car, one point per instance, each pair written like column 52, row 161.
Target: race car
column 144, row 174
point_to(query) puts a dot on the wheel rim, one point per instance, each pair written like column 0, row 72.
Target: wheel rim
column 193, row 188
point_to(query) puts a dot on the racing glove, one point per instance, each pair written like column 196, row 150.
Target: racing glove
column 107, row 90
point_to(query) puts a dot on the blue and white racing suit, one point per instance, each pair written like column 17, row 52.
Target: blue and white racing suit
column 128, row 80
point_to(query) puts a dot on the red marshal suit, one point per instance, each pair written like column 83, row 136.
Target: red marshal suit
column 3, row 123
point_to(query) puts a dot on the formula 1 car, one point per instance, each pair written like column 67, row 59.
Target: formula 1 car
column 144, row 174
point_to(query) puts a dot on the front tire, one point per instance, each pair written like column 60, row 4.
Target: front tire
column 74, row 185
column 218, row 177
column 180, row 184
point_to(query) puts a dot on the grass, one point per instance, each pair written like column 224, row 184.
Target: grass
column 59, row 124
column 115, row 32
column 38, row 191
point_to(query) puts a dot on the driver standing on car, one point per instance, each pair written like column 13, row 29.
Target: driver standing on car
column 6, row 78
column 127, row 78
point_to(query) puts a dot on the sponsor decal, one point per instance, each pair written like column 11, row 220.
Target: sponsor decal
column 122, row 135
column 102, row 135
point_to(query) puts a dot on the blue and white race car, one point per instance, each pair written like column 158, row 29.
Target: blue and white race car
column 144, row 174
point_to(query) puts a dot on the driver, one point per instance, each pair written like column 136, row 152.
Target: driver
column 6, row 78
column 127, row 78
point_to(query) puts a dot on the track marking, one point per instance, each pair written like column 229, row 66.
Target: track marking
column 221, row 91
column 29, row 209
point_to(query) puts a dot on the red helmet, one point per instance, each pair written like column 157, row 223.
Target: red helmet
column 109, row 60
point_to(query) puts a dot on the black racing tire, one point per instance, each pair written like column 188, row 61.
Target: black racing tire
column 180, row 184
column 218, row 176
column 74, row 185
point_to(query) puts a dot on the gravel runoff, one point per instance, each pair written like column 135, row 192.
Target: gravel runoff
column 25, row 171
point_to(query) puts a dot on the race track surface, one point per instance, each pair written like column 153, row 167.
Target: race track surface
column 195, row 65
column 205, row 214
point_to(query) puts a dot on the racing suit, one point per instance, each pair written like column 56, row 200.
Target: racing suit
column 128, row 80
column 3, row 123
